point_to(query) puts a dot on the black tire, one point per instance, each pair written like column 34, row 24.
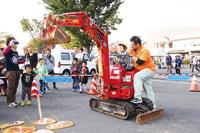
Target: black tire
column 66, row 72
column 92, row 72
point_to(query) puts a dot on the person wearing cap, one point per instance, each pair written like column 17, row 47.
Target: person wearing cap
column 146, row 68
column 12, row 68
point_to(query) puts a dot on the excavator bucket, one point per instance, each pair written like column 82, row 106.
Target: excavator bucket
column 149, row 116
column 55, row 35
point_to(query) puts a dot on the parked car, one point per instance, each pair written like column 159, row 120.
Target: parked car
column 64, row 59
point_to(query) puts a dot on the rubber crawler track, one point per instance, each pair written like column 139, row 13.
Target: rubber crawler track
column 120, row 109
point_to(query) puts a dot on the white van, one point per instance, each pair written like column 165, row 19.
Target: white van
column 64, row 59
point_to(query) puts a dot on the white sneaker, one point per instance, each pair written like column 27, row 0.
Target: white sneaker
column 81, row 91
column 136, row 100
column 16, row 103
column 13, row 105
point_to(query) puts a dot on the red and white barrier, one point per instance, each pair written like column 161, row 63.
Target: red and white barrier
column 34, row 89
column 93, row 87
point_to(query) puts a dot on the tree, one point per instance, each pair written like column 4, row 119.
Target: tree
column 102, row 12
column 3, row 37
column 36, row 45
column 34, row 28
column 74, row 41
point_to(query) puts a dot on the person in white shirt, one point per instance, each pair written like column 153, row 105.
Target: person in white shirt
column 50, row 62
column 195, row 64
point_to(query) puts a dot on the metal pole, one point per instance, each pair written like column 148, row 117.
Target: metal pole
column 39, row 106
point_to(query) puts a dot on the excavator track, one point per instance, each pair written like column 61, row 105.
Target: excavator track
column 120, row 109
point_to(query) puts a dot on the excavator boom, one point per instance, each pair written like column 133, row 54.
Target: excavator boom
column 81, row 20
column 116, row 83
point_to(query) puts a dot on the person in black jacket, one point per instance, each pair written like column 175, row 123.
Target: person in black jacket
column 27, row 79
column 12, row 70
column 169, row 63
column 178, row 62
column 32, row 57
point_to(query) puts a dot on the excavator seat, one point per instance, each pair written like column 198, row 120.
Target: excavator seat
column 129, row 68
column 126, row 62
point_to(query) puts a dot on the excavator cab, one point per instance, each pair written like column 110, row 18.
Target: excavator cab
column 126, row 61
column 121, row 77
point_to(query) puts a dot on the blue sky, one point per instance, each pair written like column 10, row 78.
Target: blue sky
column 139, row 16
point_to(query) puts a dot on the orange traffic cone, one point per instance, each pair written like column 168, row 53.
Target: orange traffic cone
column 34, row 90
column 93, row 87
column 194, row 84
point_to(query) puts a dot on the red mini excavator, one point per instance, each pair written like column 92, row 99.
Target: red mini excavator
column 116, row 88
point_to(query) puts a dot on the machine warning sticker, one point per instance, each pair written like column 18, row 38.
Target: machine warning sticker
column 127, row 78
column 116, row 72
column 114, row 77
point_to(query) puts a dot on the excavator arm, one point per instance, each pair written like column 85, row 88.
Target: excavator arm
column 77, row 19
column 81, row 20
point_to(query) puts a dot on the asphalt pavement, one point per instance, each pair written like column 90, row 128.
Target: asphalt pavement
column 162, row 73
column 181, row 111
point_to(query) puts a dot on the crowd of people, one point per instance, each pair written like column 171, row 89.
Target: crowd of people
column 178, row 63
column 79, row 75
column 37, row 68
column 44, row 66
column 194, row 64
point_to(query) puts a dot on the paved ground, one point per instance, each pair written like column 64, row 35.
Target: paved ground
column 184, row 70
column 162, row 73
column 181, row 111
